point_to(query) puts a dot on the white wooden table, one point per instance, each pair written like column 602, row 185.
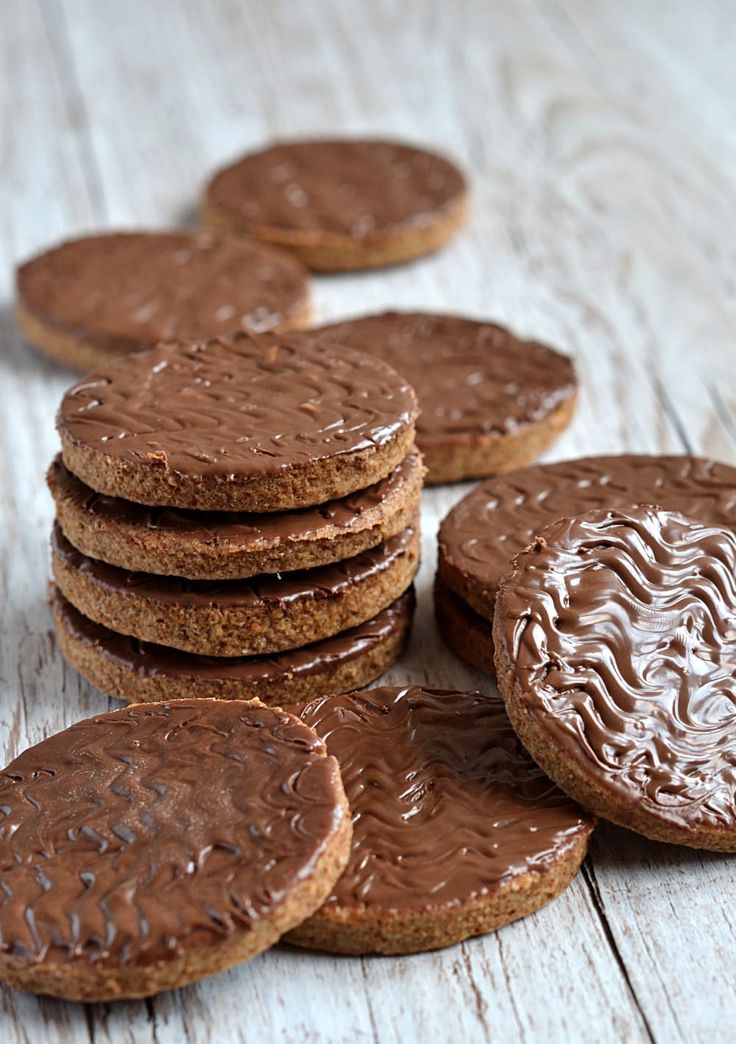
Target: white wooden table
column 602, row 147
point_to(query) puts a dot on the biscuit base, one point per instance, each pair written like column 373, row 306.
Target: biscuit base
column 325, row 252
column 562, row 767
column 254, row 629
column 301, row 485
column 144, row 549
column 80, row 981
column 487, row 455
column 122, row 681
column 469, row 635
column 364, row 929
column 88, row 352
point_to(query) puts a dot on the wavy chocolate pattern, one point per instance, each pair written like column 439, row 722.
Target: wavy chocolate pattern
column 138, row 835
column 445, row 802
column 620, row 629
column 497, row 519
column 246, row 407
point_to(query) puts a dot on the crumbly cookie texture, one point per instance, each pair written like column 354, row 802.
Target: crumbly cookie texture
column 264, row 614
column 207, row 545
column 151, row 846
column 139, row 672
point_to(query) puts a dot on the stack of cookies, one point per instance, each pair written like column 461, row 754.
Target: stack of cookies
column 236, row 518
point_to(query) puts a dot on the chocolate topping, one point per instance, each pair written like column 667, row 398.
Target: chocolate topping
column 620, row 630
column 500, row 517
column 471, row 378
column 227, row 528
column 149, row 660
column 445, row 802
column 338, row 188
column 128, row 290
column 301, row 585
column 244, row 408
column 136, row 836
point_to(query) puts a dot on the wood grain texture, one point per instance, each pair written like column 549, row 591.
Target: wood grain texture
column 602, row 150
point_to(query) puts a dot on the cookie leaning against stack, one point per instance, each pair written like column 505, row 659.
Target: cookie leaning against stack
column 616, row 657
column 236, row 517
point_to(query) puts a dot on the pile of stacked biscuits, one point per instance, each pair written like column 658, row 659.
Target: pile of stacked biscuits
column 237, row 532
column 236, row 518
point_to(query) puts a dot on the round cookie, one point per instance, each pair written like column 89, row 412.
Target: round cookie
column 342, row 204
column 499, row 518
column 263, row 614
column 616, row 657
column 455, row 830
column 212, row 545
column 89, row 300
column 138, row 672
column 148, row 847
column 468, row 634
column 488, row 400
column 251, row 423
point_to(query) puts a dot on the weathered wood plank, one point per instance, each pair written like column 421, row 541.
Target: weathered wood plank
column 602, row 166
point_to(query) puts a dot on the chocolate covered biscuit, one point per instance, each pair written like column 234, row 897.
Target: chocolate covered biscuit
column 248, row 424
column 89, row 300
column 140, row 672
column 263, row 614
column 615, row 639
column 341, row 204
column 148, row 847
column 489, row 401
column 212, row 545
column 455, row 830
column 499, row 518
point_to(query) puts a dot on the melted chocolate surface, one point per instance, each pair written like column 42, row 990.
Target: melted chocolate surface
column 445, row 802
column 620, row 629
column 138, row 835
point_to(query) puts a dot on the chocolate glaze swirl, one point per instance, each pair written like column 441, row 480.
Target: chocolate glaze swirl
column 128, row 290
column 445, row 802
column 471, row 378
column 620, row 629
column 500, row 517
column 247, row 407
column 138, row 835
column 337, row 188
